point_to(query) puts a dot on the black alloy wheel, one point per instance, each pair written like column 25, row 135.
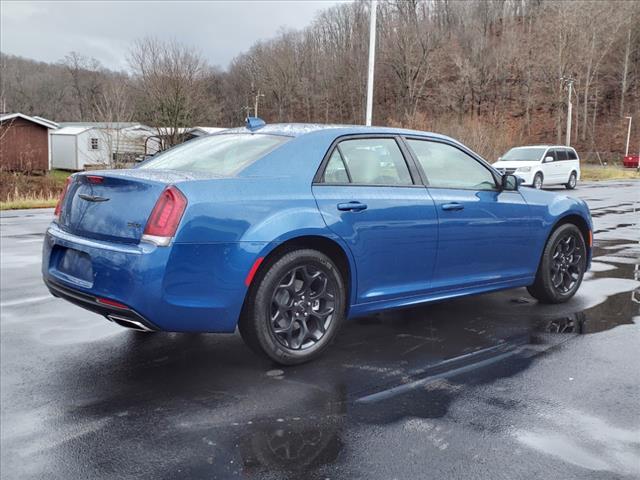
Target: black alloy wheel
column 302, row 307
column 562, row 266
column 565, row 267
column 294, row 307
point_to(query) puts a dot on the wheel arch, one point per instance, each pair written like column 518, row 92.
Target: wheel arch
column 331, row 247
column 578, row 221
column 584, row 227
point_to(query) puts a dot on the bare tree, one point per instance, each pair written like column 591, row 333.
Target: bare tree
column 170, row 84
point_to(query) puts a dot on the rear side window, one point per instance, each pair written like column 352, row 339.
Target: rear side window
column 368, row 161
column 223, row 155
column 572, row 155
column 336, row 171
column 562, row 154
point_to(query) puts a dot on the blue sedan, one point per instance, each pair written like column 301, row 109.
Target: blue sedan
column 283, row 231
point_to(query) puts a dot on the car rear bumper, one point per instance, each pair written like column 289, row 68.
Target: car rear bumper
column 179, row 288
column 122, row 316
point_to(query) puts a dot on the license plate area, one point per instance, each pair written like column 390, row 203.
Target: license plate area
column 74, row 265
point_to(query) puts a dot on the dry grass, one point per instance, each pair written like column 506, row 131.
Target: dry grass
column 597, row 173
column 18, row 190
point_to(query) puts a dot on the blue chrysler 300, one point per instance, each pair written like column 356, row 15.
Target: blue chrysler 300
column 285, row 230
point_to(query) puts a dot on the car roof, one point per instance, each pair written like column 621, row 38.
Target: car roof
column 300, row 129
column 544, row 146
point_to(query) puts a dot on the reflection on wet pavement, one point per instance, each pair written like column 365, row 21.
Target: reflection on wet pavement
column 432, row 384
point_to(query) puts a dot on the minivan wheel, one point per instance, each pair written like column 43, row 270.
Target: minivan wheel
column 537, row 181
column 573, row 180
column 562, row 266
column 294, row 308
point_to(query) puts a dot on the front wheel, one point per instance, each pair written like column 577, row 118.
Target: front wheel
column 562, row 266
column 537, row 181
column 573, row 181
column 295, row 308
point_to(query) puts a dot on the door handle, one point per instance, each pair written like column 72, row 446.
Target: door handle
column 352, row 207
column 453, row 206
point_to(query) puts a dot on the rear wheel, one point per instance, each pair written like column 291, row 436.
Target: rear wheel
column 537, row 181
column 573, row 180
column 562, row 266
column 295, row 307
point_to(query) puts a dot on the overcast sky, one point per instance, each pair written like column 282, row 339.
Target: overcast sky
column 47, row 31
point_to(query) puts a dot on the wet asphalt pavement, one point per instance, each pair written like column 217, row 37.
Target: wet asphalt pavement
column 492, row 386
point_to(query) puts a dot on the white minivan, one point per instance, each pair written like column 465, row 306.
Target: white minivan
column 540, row 165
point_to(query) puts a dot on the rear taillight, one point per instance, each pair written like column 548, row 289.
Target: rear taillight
column 165, row 217
column 56, row 213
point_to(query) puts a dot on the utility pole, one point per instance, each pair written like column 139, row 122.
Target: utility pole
column 626, row 150
column 372, row 59
column 569, row 82
column 255, row 105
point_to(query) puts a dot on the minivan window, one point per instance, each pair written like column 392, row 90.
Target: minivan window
column 223, row 155
column 561, row 153
column 525, row 154
column 572, row 155
column 551, row 153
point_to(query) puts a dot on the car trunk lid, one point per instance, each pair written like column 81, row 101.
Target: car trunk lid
column 114, row 205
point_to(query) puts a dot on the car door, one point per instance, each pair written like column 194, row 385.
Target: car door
column 563, row 166
column 370, row 197
column 548, row 167
column 484, row 232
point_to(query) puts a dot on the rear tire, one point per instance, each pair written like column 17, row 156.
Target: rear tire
column 537, row 181
column 294, row 308
column 573, row 181
column 562, row 266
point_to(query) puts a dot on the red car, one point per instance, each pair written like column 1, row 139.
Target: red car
column 631, row 161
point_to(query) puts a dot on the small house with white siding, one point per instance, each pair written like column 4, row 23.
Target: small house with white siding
column 80, row 145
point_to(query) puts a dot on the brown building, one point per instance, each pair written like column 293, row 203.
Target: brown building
column 24, row 143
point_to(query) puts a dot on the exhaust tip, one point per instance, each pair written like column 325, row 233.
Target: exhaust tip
column 128, row 323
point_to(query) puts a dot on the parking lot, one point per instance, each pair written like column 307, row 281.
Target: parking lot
column 491, row 386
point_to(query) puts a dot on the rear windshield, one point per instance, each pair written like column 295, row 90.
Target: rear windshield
column 524, row 153
column 223, row 155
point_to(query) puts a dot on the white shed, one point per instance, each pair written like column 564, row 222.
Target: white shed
column 76, row 146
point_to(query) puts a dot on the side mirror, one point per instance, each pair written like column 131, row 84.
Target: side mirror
column 510, row 183
column 548, row 159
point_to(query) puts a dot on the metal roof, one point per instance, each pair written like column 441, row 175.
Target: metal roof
column 108, row 125
column 70, row 130
column 40, row 121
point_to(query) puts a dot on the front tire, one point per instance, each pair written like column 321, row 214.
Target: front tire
column 562, row 267
column 537, row 181
column 294, row 307
column 573, row 181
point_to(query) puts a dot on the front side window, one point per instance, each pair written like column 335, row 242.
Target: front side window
column 368, row 161
column 223, row 155
column 551, row 153
column 448, row 167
